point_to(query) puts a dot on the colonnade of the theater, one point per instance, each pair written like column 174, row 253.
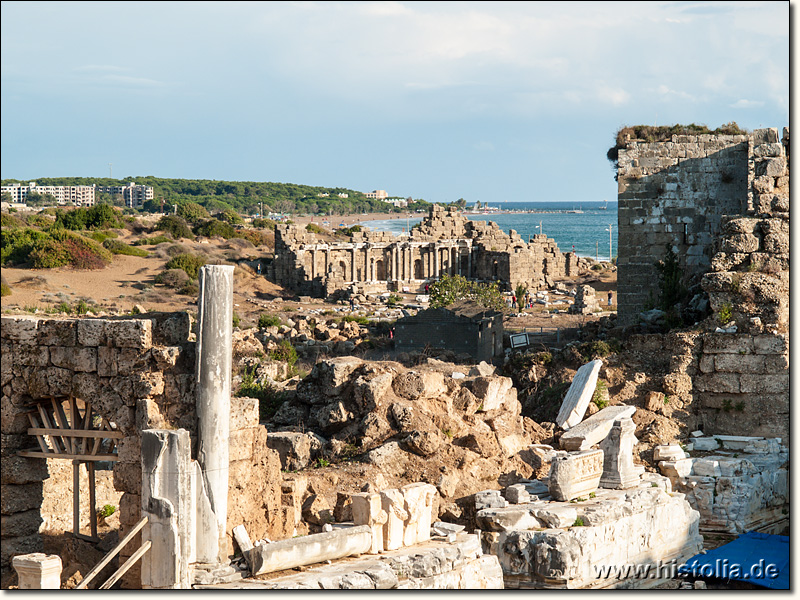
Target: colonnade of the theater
column 398, row 262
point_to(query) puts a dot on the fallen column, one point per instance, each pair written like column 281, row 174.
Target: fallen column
column 214, row 348
column 310, row 549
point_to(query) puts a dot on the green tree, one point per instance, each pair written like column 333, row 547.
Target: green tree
column 449, row 289
column 192, row 212
column 520, row 292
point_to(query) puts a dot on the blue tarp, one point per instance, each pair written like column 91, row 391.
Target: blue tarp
column 759, row 558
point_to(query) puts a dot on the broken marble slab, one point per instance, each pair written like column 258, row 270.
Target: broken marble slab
column 669, row 452
column 517, row 494
column 580, row 393
column 444, row 529
column 489, row 499
column 575, row 475
column 705, row 444
column 594, row 430
column 512, row 518
column 556, row 516
column 676, row 468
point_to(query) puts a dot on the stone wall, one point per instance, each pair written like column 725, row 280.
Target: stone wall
column 445, row 242
column 139, row 373
column 676, row 194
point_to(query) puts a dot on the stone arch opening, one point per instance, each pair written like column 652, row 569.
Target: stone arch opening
column 418, row 269
column 380, row 269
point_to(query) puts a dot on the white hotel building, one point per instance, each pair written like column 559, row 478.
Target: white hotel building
column 81, row 195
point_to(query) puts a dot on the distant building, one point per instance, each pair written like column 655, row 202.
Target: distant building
column 343, row 195
column 77, row 195
column 134, row 195
column 377, row 194
column 463, row 327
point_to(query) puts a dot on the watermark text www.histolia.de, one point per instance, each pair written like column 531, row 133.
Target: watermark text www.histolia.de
column 719, row 569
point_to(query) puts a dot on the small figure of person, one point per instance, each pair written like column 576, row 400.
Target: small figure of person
column 352, row 304
column 610, row 297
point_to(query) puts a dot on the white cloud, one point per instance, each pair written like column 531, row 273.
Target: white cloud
column 95, row 68
column 613, row 95
column 743, row 103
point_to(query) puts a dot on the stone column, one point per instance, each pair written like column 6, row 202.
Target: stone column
column 619, row 472
column 469, row 262
column 214, row 345
column 313, row 264
column 167, row 503
column 327, row 260
column 410, row 262
column 367, row 266
column 38, row 571
column 354, row 258
column 456, row 260
column 436, row 260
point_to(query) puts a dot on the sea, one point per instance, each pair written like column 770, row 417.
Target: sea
column 580, row 227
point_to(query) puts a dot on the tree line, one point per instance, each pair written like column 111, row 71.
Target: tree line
column 245, row 197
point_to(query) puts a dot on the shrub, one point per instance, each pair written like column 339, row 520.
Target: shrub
column 192, row 212
column 190, row 263
column 190, row 288
column 314, row 228
column 174, row 278
column 266, row 320
column 17, row 244
column 599, row 396
column 10, row 221
column 117, row 247
column 63, row 248
column 264, row 224
column 214, row 228
column 254, row 237
column 269, row 398
column 725, row 314
column 5, row 289
column 236, row 319
column 107, row 511
column 229, row 216
column 175, row 226
column 159, row 239
column 284, row 352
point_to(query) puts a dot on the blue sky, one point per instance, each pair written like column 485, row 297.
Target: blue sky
column 489, row 101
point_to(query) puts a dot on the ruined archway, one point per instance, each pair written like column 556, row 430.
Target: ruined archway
column 380, row 269
column 418, row 269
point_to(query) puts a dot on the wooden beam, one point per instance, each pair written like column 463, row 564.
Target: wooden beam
column 47, row 424
column 114, row 551
column 76, row 497
column 35, row 425
column 87, row 423
column 79, row 433
column 92, row 499
column 128, row 564
column 83, row 457
column 61, row 420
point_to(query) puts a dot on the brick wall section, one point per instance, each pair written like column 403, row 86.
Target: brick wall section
column 139, row 373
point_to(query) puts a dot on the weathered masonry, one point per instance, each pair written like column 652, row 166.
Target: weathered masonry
column 464, row 327
column 445, row 243
column 676, row 193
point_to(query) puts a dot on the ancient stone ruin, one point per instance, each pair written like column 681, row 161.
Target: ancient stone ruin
column 444, row 243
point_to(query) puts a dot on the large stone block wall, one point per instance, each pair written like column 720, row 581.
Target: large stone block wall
column 676, row 193
column 139, row 373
